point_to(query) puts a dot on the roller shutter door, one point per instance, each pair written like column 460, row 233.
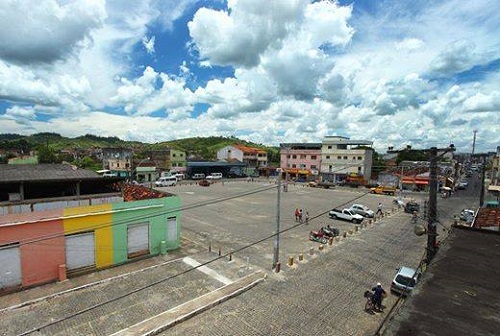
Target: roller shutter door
column 138, row 239
column 172, row 229
column 10, row 270
column 80, row 250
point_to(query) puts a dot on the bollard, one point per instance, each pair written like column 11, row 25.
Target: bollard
column 374, row 219
column 61, row 270
column 301, row 257
column 278, row 267
column 290, row 261
column 350, row 232
column 345, row 235
column 356, row 228
column 321, row 247
column 330, row 241
column 209, row 247
column 311, row 251
column 220, row 251
column 230, row 256
column 370, row 222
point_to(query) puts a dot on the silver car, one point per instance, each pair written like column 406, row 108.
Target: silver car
column 405, row 280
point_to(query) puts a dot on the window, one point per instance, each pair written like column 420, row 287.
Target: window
column 294, row 166
column 302, row 156
column 302, row 166
column 181, row 154
column 288, row 156
column 313, row 166
column 339, row 157
column 345, row 157
column 174, row 155
column 359, row 169
column 360, row 158
column 313, row 157
column 294, row 156
column 330, row 168
column 353, row 158
column 118, row 165
column 329, row 147
column 328, row 157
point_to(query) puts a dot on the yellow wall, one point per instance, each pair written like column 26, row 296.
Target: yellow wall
column 95, row 218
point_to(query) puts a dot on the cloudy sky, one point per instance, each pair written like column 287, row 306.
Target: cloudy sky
column 421, row 73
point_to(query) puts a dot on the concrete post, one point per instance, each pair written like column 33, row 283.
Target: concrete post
column 330, row 241
column 61, row 269
column 277, row 268
column 321, row 247
column 301, row 257
column 290, row 261
column 311, row 251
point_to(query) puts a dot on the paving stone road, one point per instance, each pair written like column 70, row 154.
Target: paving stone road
column 321, row 295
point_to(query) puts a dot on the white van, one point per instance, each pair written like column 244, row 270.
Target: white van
column 166, row 181
column 198, row 176
column 214, row 176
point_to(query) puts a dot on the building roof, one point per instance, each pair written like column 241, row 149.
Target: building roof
column 487, row 218
column 458, row 294
column 301, row 145
column 43, row 172
column 250, row 150
column 338, row 140
column 215, row 164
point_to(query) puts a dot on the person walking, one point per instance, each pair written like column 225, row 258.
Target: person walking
column 307, row 217
column 300, row 216
column 378, row 294
column 297, row 213
column 379, row 209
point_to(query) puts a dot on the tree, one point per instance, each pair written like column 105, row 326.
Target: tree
column 47, row 155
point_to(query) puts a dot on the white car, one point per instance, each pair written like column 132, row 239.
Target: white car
column 362, row 210
column 214, row 176
column 405, row 280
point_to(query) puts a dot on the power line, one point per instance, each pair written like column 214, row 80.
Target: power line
column 178, row 274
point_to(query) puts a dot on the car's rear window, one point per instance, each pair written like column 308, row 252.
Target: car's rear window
column 405, row 281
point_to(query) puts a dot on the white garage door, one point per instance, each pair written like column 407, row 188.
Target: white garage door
column 10, row 269
column 80, row 250
column 138, row 239
column 171, row 229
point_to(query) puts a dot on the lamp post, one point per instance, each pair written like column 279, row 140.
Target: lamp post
column 278, row 218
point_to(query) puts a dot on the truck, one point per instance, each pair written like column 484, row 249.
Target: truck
column 384, row 190
column 362, row 210
column 346, row 215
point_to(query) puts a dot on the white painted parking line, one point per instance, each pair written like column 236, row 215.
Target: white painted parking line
column 208, row 271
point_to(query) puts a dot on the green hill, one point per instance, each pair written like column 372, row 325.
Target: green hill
column 198, row 147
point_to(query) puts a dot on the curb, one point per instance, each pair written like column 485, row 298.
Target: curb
column 171, row 317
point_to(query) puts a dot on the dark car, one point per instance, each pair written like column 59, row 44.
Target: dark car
column 411, row 207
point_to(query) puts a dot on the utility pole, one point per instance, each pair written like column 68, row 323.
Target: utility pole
column 481, row 192
column 473, row 144
column 277, row 237
column 432, row 209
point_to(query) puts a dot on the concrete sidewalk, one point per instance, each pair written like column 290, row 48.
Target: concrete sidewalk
column 169, row 318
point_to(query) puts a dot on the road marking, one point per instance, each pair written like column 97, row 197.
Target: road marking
column 208, row 271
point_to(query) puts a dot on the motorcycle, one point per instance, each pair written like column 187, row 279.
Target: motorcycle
column 318, row 236
column 330, row 231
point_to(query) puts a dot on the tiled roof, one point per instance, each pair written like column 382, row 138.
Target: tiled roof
column 487, row 218
column 43, row 172
column 249, row 150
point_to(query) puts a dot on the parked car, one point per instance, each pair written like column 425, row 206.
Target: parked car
column 166, row 181
column 467, row 215
column 345, row 214
column 198, row 176
column 214, row 176
column 462, row 185
column 362, row 210
column 405, row 280
column 412, row 206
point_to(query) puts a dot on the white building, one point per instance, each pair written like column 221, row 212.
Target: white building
column 341, row 157
column 253, row 157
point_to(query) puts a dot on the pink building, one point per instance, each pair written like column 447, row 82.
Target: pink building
column 301, row 161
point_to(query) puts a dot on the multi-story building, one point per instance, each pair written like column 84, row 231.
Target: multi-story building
column 118, row 161
column 342, row 157
column 168, row 159
column 57, row 221
column 251, row 156
column 300, row 160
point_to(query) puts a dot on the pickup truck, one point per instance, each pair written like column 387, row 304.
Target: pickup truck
column 362, row 210
column 345, row 214
column 384, row 190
